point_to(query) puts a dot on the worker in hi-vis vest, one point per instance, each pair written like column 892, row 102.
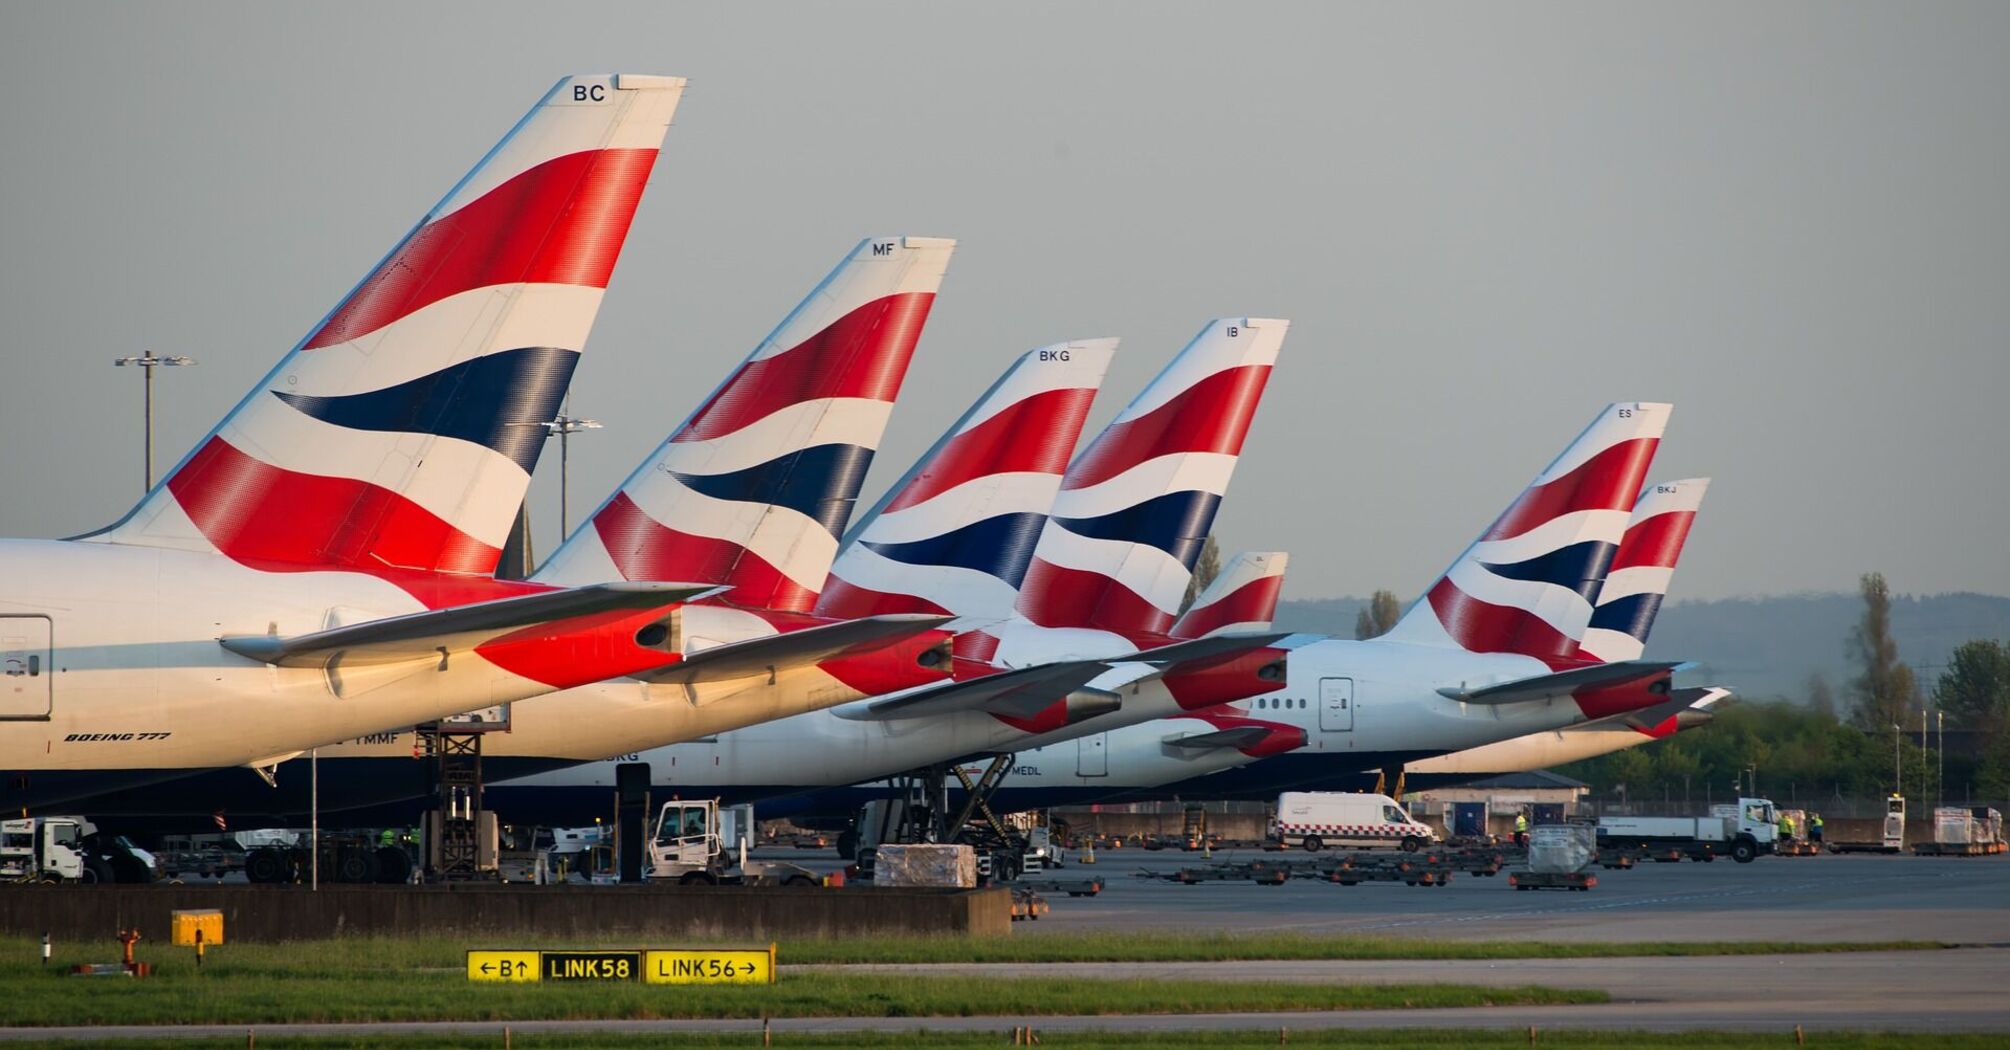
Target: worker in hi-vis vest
column 1815, row 828
column 1521, row 828
column 1786, row 828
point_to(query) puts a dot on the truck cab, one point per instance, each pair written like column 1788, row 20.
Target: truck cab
column 685, row 848
column 685, row 845
column 37, row 849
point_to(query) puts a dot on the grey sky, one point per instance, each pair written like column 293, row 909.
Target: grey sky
column 1485, row 222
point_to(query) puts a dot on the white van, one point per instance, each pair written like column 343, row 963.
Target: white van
column 1318, row 819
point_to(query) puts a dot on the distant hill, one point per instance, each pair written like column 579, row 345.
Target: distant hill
column 1764, row 647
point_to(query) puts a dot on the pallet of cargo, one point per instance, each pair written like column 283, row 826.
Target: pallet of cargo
column 1956, row 849
column 1552, row 880
column 1048, row 884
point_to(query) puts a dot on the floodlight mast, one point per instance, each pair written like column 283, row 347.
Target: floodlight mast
column 147, row 360
column 564, row 427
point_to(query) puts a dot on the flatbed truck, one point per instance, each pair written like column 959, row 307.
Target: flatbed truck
column 1743, row 834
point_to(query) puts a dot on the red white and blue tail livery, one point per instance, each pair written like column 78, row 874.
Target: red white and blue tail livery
column 1526, row 586
column 956, row 534
column 401, row 432
column 1242, row 598
column 320, row 565
column 753, row 490
column 1642, row 570
column 1137, row 504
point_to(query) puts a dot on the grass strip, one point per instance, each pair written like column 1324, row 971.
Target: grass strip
column 1422, row 1039
column 343, row 986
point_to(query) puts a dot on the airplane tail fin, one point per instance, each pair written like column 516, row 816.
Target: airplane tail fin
column 1527, row 584
column 401, row 432
column 956, row 533
column 1242, row 598
column 1642, row 569
column 753, row 490
column 1136, row 505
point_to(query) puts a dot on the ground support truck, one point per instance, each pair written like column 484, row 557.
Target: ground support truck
column 69, row 849
column 1315, row 820
column 687, row 848
column 1743, row 832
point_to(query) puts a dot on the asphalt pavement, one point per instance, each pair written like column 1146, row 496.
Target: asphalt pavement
column 1964, row 900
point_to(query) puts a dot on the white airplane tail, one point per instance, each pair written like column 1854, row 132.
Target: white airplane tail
column 1137, row 504
column 1527, row 584
column 1642, row 569
column 754, row 488
column 956, row 533
column 401, row 432
column 1242, row 598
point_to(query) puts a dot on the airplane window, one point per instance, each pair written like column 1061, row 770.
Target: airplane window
column 34, row 664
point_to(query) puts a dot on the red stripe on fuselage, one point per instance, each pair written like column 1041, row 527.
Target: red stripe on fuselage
column 646, row 549
column 1609, row 480
column 1035, row 435
column 1210, row 416
column 560, row 222
column 1253, row 602
column 1057, row 596
column 863, row 354
column 255, row 512
column 1655, row 542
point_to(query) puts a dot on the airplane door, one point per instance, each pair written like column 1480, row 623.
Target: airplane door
column 1092, row 757
column 27, row 679
column 1336, row 705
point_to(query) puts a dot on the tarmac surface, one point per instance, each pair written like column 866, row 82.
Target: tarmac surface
column 1956, row 900
column 1963, row 901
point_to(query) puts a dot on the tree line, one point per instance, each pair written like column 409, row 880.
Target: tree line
column 1852, row 746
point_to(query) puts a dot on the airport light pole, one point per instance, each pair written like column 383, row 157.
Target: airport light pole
column 147, row 362
column 565, row 426
column 1940, row 730
column 1897, row 763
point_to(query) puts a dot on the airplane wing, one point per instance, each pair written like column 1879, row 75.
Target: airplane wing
column 785, row 652
column 1006, row 691
column 1026, row 691
column 1562, row 683
column 428, row 634
column 1169, row 659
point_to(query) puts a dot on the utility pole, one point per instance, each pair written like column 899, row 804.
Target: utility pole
column 1897, row 763
column 565, row 426
column 147, row 361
